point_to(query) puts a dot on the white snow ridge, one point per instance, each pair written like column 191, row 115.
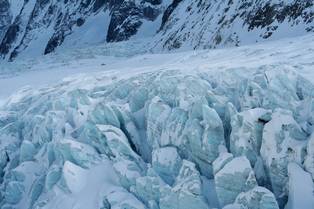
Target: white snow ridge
column 113, row 126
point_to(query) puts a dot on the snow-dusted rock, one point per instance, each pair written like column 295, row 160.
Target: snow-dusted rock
column 235, row 177
column 6, row 17
column 76, row 27
column 216, row 24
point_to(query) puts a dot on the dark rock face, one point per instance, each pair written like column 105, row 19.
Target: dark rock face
column 5, row 17
column 269, row 13
column 127, row 17
column 168, row 12
column 9, row 38
column 211, row 24
column 57, row 20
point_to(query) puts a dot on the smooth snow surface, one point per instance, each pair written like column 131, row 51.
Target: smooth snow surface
column 294, row 54
column 86, row 186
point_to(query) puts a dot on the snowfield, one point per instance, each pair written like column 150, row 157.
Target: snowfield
column 226, row 128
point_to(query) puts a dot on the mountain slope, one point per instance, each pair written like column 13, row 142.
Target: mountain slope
column 5, row 18
column 211, row 24
column 40, row 27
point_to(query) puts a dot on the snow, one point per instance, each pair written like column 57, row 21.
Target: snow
column 15, row 7
column 199, row 25
column 36, row 48
column 74, row 177
column 92, row 32
column 86, row 186
column 237, row 165
column 294, row 54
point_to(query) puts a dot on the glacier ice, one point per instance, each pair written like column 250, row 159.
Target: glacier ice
column 186, row 192
column 138, row 99
column 167, row 163
column 283, row 141
column 309, row 160
column 13, row 192
column 52, row 177
column 301, row 188
column 223, row 158
column 155, row 140
column 246, row 134
column 157, row 113
column 104, row 114
column 258, row 197
column 79, row 153
column 27, row 151
column 234, row 177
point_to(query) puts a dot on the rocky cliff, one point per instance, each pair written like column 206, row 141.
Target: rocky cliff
column 39, row 27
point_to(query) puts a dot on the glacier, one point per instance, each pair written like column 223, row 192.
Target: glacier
column 227, row 128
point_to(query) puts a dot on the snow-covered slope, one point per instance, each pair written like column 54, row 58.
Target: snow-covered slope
column 227, row 128
column 220, row 23
column 36, row 27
